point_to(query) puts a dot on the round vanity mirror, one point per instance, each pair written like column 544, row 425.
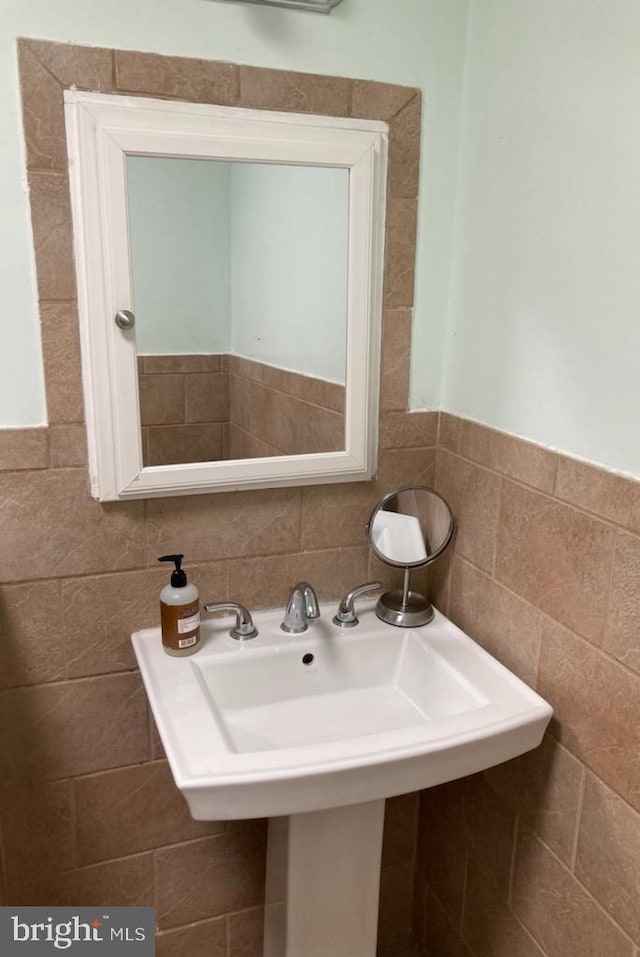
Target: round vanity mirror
column 409, row 528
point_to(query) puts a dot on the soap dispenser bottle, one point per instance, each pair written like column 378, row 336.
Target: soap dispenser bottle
column 179, row 612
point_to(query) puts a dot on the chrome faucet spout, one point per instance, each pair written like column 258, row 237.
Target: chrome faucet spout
column 302, row 607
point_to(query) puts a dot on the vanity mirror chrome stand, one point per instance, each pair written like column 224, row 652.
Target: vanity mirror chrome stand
column 409, row 528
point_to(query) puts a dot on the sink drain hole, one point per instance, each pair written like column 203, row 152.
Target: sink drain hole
column 307, row 659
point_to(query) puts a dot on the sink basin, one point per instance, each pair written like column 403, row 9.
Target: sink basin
column 289, row 724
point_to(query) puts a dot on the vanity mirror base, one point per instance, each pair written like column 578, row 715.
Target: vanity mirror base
column 404, row 609
column 323, row 882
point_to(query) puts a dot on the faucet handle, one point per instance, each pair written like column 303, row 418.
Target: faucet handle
column 345, row 617
column 310, row 599
column 244, row 627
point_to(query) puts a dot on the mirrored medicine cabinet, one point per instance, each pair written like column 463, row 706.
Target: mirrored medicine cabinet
column 229, row 266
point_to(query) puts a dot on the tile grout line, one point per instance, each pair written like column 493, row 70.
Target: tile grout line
column 529, row 935
column 73, row 801
column 463, row 908
column 3, row 863
column 579, row 809
column 494, row 555
column 514, row 851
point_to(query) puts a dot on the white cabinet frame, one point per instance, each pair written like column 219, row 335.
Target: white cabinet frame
column 101, row 130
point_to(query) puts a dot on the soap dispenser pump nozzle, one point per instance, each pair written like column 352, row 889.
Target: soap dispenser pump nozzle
column 178, row 576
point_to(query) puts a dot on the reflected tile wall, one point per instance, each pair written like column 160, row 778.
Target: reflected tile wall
column 202, row 408
column 184, row 406
column 282, row 412
column 544, row 575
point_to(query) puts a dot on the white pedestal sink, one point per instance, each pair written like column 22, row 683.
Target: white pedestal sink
column 315, row 731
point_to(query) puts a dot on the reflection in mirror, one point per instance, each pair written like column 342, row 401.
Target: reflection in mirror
column 409, row 528
column 239, row 273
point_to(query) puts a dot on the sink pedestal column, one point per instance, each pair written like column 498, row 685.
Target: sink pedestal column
column 323, row 882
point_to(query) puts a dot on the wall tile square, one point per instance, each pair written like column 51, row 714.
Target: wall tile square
column 267, row 583
column 443, row 847
column 399, row 430
column 555, row 557
column 225, row 525
column 44, row 126
column 67, row 728
column 407, row 466
column 68, row 445
column 402, row 218
column 51, row 225
column 37, row 832
column 622, row 626
column 127, row 810
column 506, row 626
column 449, row 432
column 201, row 81
column 24, row 449
column 380, row 101
column 394, row 916
column 88, row 68
column 441, row 938
column 331, row 520
column 127, row 883
column 490, row 927
column 544, row 787
column 404, row 150
column 51, row 527
column 473, row 494
column 400, row 824
column 31, row 626
column 246, row 933
column 596, row 706
column 61, row 354
column 608, row 856
column 557, row 910
column 299, row 92
column 513, row 457
column 602, row 493
column 211, row 876
column 101, row 612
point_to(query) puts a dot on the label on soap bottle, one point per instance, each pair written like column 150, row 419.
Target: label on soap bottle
column 180, row 626
column 186, row 625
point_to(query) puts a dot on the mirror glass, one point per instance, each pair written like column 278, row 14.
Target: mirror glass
column 240, row 275
column 411, row 526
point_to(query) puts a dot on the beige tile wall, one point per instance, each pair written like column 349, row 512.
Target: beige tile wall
column 540, row 857
column 88, row 811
